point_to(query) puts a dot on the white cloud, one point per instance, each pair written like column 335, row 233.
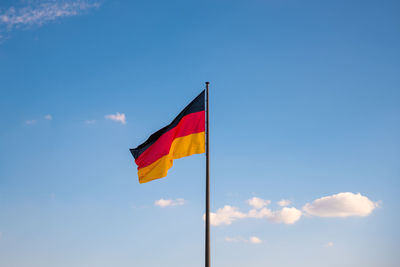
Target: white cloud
column 30, row 122
column 285, row 215
column 169, row 202
column 119, row 117
column 259, row 214
column 48, row 117
column 228, row 214
column 90, row 121
column 225, row 215
column 258, row 203
column 30, row 13
column 284, row 202
column 341, row 205
column 255, row 240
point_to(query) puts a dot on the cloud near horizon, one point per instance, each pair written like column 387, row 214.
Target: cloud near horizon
column 338, row 205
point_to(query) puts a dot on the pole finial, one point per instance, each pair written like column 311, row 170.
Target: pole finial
column 207, row 82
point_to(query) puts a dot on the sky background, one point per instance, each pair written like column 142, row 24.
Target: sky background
column 304, row 104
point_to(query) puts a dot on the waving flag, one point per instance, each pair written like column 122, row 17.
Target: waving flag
column 183, row 137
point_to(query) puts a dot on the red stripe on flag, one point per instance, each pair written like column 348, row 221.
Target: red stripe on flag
column 189, row 124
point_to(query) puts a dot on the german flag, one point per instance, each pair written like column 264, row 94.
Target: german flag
column 183, row 137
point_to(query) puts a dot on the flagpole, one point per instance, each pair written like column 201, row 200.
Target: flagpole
column 207, row 248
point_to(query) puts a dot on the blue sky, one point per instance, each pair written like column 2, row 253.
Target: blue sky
column 304, row 108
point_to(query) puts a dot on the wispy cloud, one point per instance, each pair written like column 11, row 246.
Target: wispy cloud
column 34, row 121
column 90, row 121
column 119, row 117
column 30, row 122
column 37, row 13
column 169, row 202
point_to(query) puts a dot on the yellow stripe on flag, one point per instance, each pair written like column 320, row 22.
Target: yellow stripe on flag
column 180, row 147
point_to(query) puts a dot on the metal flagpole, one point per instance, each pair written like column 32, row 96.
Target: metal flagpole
column 207, row 251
